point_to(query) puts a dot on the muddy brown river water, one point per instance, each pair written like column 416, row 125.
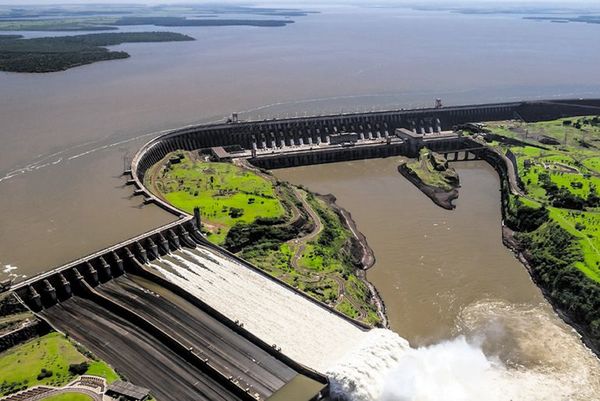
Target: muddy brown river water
column 64, row 135
column 444, row 274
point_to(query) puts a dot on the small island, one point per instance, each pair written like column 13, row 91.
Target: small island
column 432, row 175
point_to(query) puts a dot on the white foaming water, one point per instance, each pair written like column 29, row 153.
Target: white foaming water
column 385, row 368
column 305, row 331
column 379, row 365
column 9, row 268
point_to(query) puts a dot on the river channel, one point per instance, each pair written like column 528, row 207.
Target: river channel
column 446, row 274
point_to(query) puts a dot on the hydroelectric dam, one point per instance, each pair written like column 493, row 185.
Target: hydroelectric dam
column 191, row 321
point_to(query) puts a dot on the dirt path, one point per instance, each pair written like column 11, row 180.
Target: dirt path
column 300, row 243
column 342, row 296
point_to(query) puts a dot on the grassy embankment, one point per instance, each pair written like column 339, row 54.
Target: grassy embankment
column 558, row 218
column 69, row 397
column 268, row 223
column 226, row 194
column 46, row 360
column 64, row 52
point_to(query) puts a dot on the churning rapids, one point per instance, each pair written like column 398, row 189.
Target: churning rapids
column 385, row 368
column 379, row 365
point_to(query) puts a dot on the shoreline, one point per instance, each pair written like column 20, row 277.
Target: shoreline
column 521, row 255
column 440, row 197
column 367, row 259
column 508, row 184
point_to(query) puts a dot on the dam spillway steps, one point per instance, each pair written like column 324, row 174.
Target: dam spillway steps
column 135, row 353
column 181, row 347
column 303, row 329
column 245, row 370
column 232, row 354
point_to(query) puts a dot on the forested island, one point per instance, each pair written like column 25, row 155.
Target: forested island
column 182, row 21
column 93, row 18
column 60, row 53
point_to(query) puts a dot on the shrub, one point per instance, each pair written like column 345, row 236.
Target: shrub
column 78, row 368
column 44, row 373
column 236, row 212
column 524, row 218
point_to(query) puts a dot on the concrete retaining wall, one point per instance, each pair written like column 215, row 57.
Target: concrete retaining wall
column 46, row 289
column 34, row 329
column 290, row 131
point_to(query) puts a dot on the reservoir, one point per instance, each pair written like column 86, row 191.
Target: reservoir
column 446, row 274
column 65, row 137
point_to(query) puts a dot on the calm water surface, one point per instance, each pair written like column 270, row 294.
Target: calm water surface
column 64, row 135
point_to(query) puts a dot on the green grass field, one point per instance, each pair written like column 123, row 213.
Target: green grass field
column 218, row 189
column 21, row 365
column 572, row 165
column 69, row 397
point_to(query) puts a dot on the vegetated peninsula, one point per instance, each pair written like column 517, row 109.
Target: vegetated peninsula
column 552, row 217
column 299, row 237
column 58, row 24
column 104, row 18
column 107, row 23
column 60, row 53
column 433, row 176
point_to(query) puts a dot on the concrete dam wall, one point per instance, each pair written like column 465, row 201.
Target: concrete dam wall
column 144, row 301
column 46, row 289
column 293, row 131
column 158, row 334
column 270, row 134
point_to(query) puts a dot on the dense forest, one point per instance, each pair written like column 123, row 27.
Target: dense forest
column 63, row 52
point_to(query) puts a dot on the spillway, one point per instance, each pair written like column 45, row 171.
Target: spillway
column 134, row 352
column 304, row 330
column 148, row 360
